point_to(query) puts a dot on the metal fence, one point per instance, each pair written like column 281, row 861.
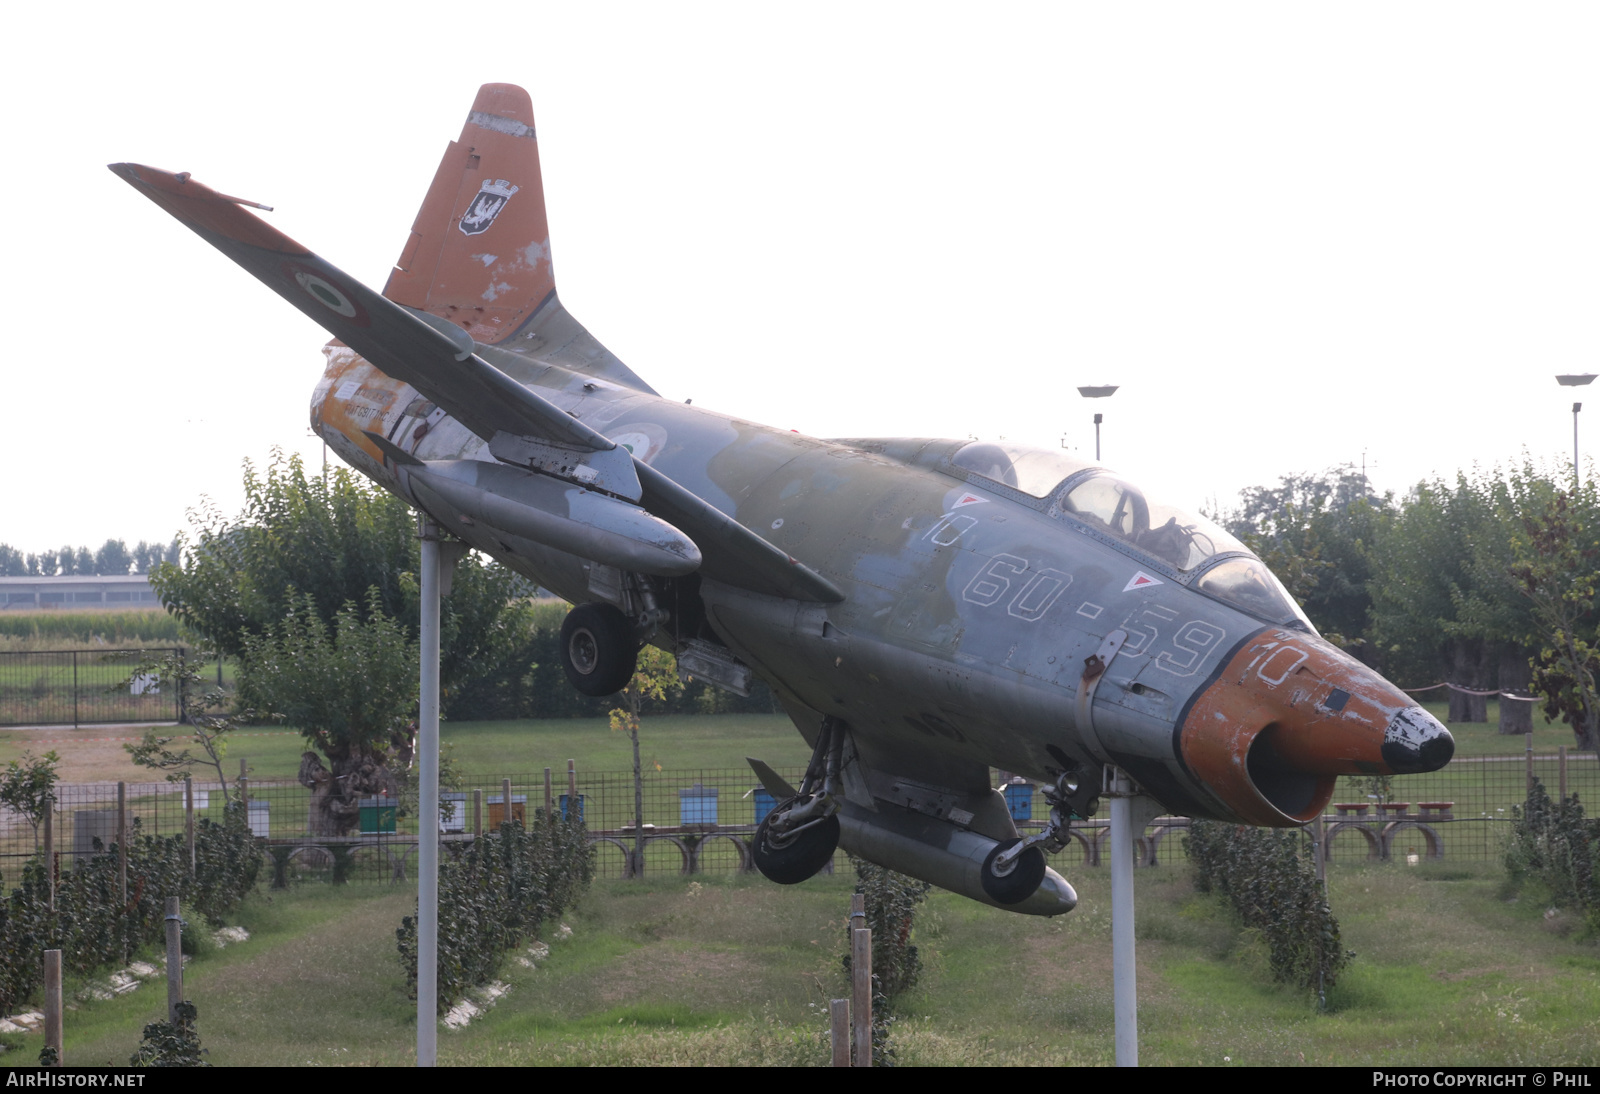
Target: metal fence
column 81, row 687
column 702, row 820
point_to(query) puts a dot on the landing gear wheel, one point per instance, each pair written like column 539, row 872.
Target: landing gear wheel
column 1027, row 871
column 598, row 650
column 791, row 861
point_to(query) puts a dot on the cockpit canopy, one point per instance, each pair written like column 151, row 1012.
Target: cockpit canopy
column 1118, row 511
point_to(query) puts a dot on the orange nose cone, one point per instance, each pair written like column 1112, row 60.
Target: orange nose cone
column 1288, row 714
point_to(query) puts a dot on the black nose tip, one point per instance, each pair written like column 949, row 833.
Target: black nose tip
column 1415, row 741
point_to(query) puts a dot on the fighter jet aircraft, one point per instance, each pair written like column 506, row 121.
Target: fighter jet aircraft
column 924, row 609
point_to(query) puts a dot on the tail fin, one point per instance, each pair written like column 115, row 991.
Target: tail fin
column 479, row 252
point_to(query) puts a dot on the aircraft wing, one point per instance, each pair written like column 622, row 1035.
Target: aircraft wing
column 428, row 353
column 437, row 358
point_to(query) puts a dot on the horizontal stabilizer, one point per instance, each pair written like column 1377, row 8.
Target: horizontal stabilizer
column 393, row 338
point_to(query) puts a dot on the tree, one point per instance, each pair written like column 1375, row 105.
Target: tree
column 351, row 690
column 655, row 674
column 113, row 559
column 1557, row 567
column 330, row 540
column 1315, row 533
column 198, row 707
column 28, row 786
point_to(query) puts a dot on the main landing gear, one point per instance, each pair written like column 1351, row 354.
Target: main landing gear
column 599, row 650
column 800, row 835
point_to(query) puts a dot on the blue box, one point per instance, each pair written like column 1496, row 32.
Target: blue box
column 697, row 805
column 1019, row 799
column 764, row 803
column 564, row 808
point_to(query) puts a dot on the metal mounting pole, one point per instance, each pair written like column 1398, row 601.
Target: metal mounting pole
column 428, row 821
column 1125, row 992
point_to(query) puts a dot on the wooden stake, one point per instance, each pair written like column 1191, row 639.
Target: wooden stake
column 861, row 993
column 52, row 1002
column 572, row 787
column 477, row 814
column 1528, row 753
column 174, row 960
column 1561, row 767
column 506, row 814
column 839, row 1031
column 549, row 803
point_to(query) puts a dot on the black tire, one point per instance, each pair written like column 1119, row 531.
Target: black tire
column 798, row 858
column 598, row 650
column 1023, row 880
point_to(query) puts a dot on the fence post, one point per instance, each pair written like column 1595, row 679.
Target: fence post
column 861, row 993
column 52, row 1002
column 50, row 851
column 549, row 803
column 1561, row 768
column 188, row 820
column 505, row 801
column 477, row 814
column 839, row 1031
column 572, row 787
column 1527, row 753
column 174, row 926
column 122, row 841
column 74, row 689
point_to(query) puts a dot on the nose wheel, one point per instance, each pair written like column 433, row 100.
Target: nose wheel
column 1017, row 878
column 598, row 649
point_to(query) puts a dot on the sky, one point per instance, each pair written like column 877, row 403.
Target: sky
column 1296, row 235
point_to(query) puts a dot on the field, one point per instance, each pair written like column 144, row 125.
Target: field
column 731, row 969
column 738, row 971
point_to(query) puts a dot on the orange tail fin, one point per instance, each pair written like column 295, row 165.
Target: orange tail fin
column 479, row 253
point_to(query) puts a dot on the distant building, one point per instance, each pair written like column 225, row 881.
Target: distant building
column 66, row 593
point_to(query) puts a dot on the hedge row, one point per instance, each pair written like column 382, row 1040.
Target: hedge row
column 93, row 926
column 497, row 892
column 1272, row 884
column 1556, row 845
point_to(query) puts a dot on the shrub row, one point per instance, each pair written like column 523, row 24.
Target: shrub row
column 1272, row 884
column 93, row 926
column 496, row 892
column 1554, row 844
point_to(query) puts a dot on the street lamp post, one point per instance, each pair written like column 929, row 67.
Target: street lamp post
column 1101, row 391
column 1580, row 379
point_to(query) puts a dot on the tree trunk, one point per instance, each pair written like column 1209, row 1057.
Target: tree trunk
column 638, row 802
column 1461, row 668
column 1516, row 717
column 336, row 795
column 1482, row 673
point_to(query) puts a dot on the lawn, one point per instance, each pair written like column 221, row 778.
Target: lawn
column 734, row 970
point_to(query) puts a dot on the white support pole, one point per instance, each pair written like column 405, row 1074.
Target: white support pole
column 1125, row 991
column 428, row 822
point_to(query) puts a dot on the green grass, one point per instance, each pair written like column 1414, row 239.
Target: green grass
column 739, row 971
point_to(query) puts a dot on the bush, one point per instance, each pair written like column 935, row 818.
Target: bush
column 1273, row 888
column 92, row 926
column 171, row 1044
column 1555, row 845
column 499, row 892
column 890, row 900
